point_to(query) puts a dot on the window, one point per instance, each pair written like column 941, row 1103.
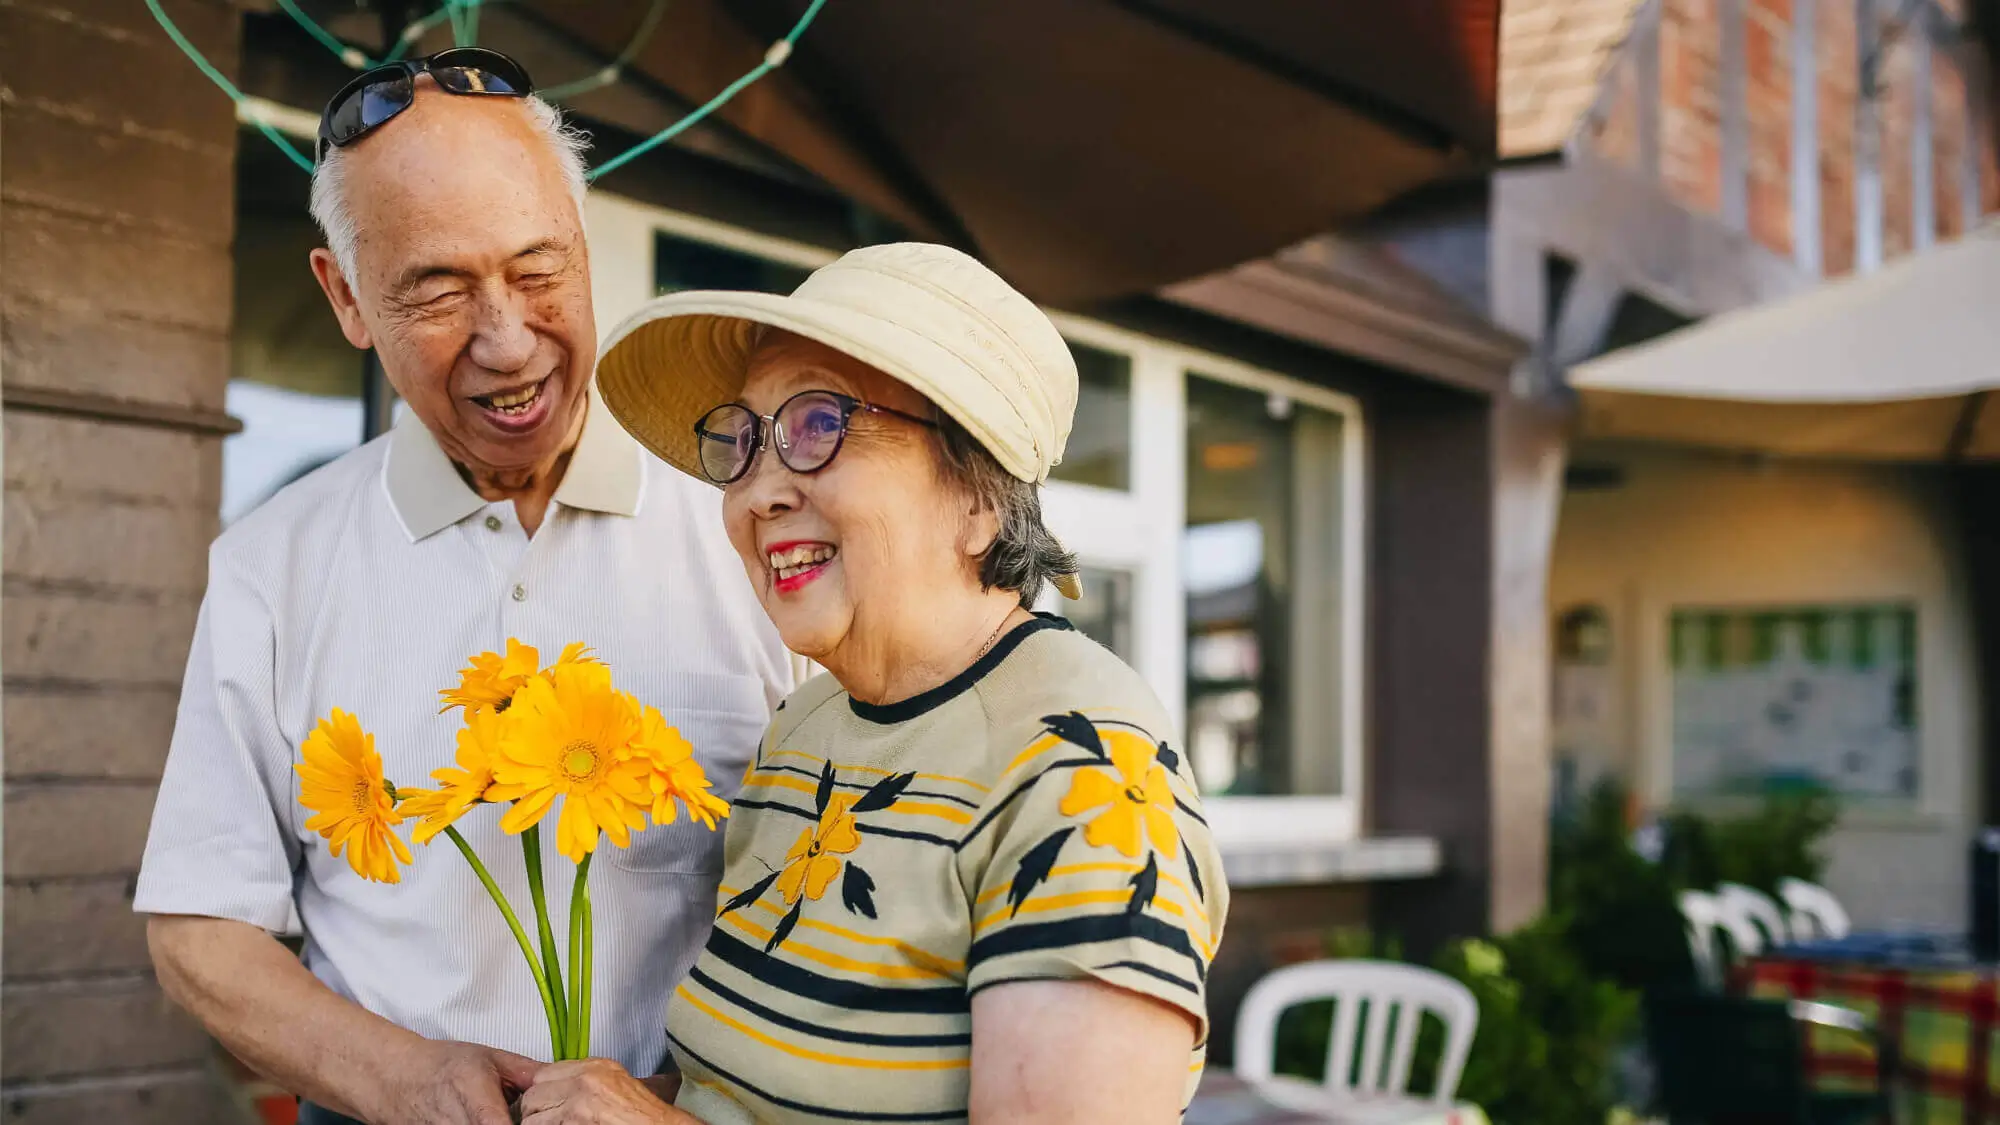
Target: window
column 1215, row 509
column 1100, row 440
column 685, row 263
column 1260, row 547
column 295, row 383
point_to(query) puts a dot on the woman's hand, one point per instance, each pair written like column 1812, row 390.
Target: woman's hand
column 595, row 1092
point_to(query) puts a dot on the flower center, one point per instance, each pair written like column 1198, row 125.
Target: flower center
column 579, row 760
column 815, row 850
column 1136, row 795
column 363, row 796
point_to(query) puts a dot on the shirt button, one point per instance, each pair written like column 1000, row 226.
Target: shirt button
column 520, row 593
column 492, row 523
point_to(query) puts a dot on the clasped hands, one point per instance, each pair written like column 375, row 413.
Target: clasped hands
column 598, row 1092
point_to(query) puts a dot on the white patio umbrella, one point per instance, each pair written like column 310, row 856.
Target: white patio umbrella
column 1896, row 365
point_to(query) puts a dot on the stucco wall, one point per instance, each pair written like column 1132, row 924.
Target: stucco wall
column 1692, row 530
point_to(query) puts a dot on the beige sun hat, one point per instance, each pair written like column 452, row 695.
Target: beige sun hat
column 929, row 316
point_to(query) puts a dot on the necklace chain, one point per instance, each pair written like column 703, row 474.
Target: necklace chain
column 992, row 640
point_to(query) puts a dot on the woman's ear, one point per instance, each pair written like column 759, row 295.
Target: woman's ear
column 982, row 530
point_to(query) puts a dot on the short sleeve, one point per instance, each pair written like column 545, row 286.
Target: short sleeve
column 1099, row 866
column 217, row 847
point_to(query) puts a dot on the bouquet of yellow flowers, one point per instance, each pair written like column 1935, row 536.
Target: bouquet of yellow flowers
column 530, row 735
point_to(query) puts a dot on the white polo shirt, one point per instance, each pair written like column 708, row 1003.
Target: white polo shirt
column 365, row 586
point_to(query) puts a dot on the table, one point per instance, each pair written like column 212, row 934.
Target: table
column 1225, row 1099
column 1943, row 1016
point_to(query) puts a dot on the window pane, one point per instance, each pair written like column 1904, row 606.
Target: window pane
column 295, row 382
column 1103, row 613
column 683, row 263
column 1260, row 563
column 1100, row 442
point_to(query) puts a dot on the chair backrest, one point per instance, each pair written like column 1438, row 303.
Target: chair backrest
column 1395, row 997
column 1725, row 1060
column 1702, row 914
column 1750, row 914
column 1815, row 912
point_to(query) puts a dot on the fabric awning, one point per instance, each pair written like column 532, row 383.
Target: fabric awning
column 1894, row 365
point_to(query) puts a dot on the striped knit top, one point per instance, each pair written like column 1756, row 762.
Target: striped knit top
column 1029, row 820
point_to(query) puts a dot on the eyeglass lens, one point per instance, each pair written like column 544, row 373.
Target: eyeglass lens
column 810, row 429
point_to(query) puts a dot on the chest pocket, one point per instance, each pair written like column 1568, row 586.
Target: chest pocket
column 724, row 716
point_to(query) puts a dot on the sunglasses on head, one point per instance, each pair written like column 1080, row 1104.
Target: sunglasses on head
column 376, row 96
column 809, row 427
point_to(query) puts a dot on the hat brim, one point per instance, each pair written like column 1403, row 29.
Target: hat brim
column 681, row 355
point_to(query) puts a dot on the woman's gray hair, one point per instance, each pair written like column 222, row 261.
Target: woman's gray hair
column 1025, row 555
column 329, row 195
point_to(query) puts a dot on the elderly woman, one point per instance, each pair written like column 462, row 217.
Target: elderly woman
column 967, row 876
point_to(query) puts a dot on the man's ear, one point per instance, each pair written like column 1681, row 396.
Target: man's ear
column 346, row 308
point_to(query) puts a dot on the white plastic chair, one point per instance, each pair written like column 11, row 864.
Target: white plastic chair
column 1751, row 911
column 1815, row 912
column 1703, row 914
column 1380, row 1091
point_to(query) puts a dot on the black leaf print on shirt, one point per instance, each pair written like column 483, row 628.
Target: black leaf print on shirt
column 884, row 793
column 786, row 925
column 1034, row 869
column 857, row 891
column 825, row 794
column 1194, row 871
column 749, row 895
column 1145, row 885
column 1073, row 727
column 1166, row 757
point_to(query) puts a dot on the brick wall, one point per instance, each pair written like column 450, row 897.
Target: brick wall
column 116, row 213
column 1691, row 129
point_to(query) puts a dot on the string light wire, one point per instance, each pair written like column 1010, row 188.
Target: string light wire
column 222, row 81
column 774, row 58
column 779, row 53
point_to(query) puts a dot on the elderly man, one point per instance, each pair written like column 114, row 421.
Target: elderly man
column 507, row 503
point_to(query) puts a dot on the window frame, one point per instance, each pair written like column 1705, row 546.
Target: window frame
column 1141, row 526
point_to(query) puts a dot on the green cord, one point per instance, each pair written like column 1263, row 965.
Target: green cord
column 714, row 103
column 520, row 936
column 341, row 51
column 472, row 21
column 609, row 73
column 223, row 83
column 457, row 22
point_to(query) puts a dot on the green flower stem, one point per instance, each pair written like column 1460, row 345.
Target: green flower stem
column 520, row 935
column 531, row 846
column 589, row 940
column 579, row 991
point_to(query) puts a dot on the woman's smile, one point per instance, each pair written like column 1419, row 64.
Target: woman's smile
column 795, row 563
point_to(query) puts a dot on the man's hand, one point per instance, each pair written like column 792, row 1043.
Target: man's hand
column 452, row 1084
column 595, row 1092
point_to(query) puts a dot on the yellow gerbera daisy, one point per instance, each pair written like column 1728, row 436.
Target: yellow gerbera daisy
column 815, row 859
column 675, row 773
column 460, row 787
column 341, row 781
column 492, row 680
column 569, row 734
column 1135, row 788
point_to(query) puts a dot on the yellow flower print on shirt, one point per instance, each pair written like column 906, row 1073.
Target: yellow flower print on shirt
column 1137, row 802
column 813, row 862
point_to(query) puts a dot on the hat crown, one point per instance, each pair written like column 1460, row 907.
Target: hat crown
column 964, row 306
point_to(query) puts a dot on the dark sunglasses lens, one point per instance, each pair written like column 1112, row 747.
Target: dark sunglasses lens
column 810, row 428
column 474, row 71
column 726, row 437
column 367, row 106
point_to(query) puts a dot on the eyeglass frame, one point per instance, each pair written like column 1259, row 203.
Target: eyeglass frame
column 850, row 406
column 409, row 69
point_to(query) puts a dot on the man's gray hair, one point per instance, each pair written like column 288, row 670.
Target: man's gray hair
column 1025, row 555
column 329, row 195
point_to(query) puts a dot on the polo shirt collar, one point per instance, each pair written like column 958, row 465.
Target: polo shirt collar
column 429, row 495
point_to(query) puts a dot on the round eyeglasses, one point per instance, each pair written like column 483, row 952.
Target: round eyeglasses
column 810, row 428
